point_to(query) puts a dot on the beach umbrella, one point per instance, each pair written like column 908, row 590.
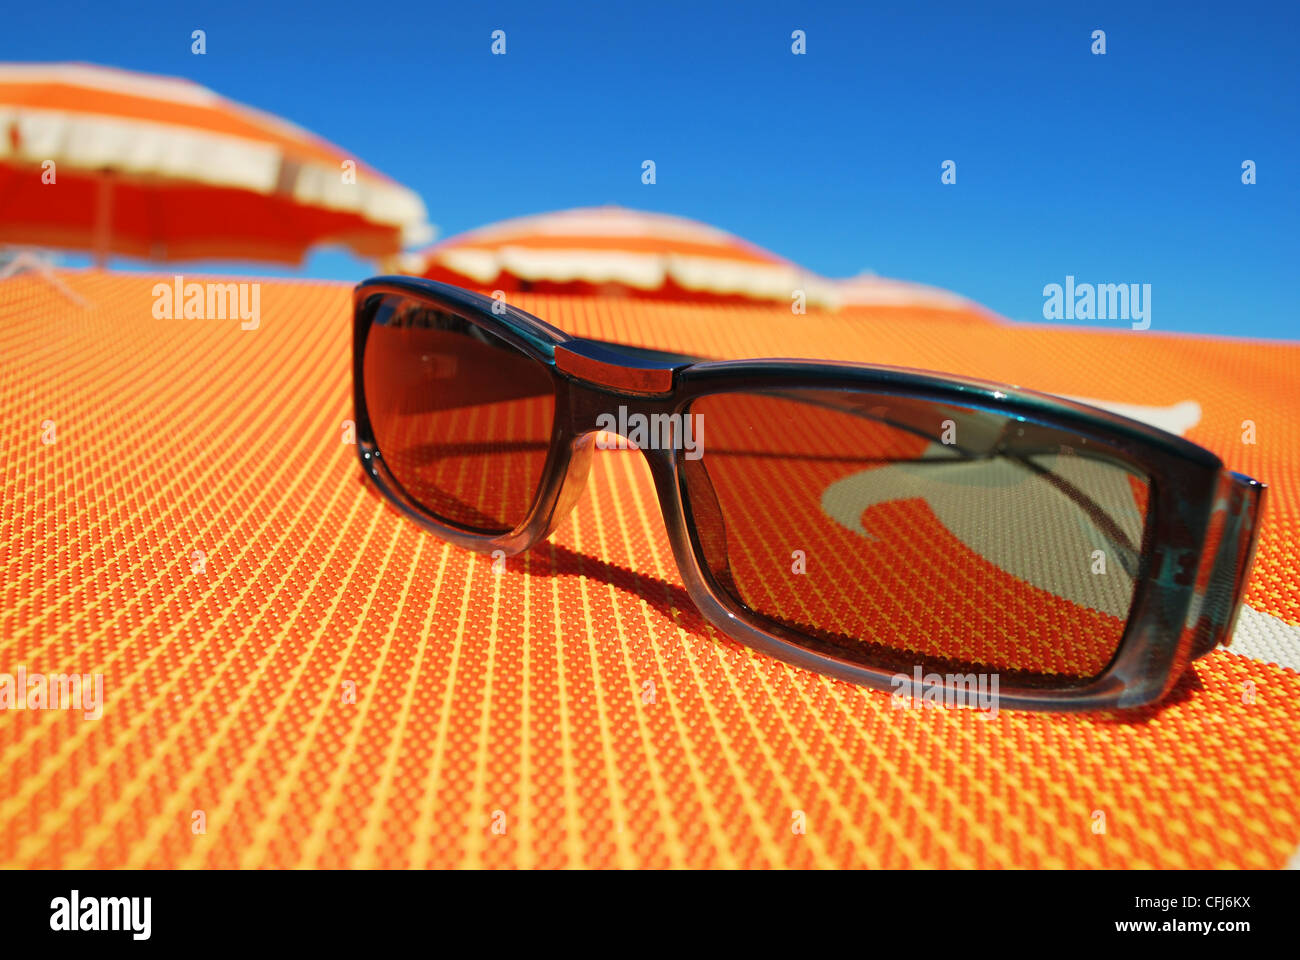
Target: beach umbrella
column 871, row 290
column 885, row 297
column 615, row 251
column 115, row 162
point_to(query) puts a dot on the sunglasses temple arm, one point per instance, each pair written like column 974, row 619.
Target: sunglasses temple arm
column 1220, row 591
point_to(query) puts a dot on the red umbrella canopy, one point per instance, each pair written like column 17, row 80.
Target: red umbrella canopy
column 96, row 158
column 613, row 250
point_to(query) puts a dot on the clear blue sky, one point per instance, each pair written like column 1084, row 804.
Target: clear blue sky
column 1117, row 168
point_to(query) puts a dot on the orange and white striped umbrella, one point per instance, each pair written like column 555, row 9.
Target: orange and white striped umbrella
column 101, row 159
column 871, row 290
column 613, row 250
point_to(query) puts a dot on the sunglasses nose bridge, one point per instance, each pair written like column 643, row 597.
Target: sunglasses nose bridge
column 613, row 391
column 625, row 370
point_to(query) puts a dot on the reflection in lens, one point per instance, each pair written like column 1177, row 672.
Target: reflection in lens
column 897, row 532
column 461, row 418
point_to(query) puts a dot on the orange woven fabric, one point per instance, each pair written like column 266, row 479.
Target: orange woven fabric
column 572, row 710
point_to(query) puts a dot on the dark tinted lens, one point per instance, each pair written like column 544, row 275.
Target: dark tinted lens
column 898, row 532
column 461, row 418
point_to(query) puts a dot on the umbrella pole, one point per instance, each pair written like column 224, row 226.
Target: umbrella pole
column 43, row 269
column 103, row 219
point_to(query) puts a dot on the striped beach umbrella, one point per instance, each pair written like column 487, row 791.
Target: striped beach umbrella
column 870, row 290
column 615, row 251
column 116, row 162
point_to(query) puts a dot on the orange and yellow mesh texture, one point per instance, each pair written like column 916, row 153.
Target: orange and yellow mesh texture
column 297, row 676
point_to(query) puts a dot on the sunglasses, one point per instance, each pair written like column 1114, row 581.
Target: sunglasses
column 878, row 525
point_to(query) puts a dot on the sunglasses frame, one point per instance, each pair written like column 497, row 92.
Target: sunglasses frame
column 1199, row 534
